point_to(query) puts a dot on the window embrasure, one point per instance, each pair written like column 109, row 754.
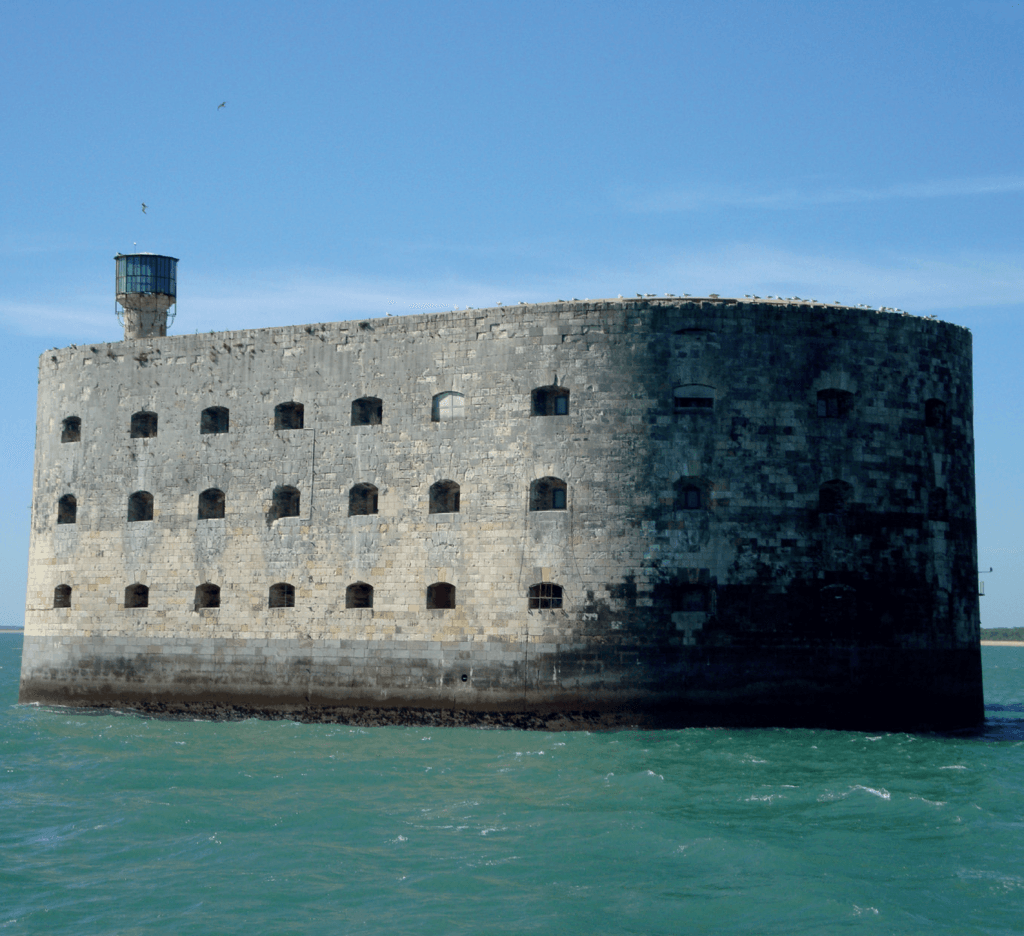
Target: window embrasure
column 550, row 401
column 440, row 596
column 447, row 406
column 545, row 595
column 289, row 416
column 834, row 404
column 207, row 596
column 367, row 411
column 71, row 429
column 67, row 509
column 444, row 497
column 136, row 596
column 143, row 425
column 211, row 504
column 286, row 503
column 548, row 494
column 282, row 595
column 62, row 596
column 362, row 500
column 359, row 595
column 693, row 398
column 214, row 420
column 140, row 506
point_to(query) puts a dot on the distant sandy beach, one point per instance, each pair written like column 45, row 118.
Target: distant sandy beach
column 1002, row 643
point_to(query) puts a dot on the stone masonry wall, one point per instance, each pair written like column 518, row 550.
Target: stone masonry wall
column 666, row 604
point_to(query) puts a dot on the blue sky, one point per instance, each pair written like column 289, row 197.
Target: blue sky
column 405, row 156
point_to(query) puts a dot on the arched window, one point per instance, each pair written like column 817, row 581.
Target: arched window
column 367, row 411
column 286, row 503
column 71, row 430
column 362, row 500
column 444, row 497
column 136, row 596
column 937, row 509
column 690, row 598
column 289, row 416
column 834, row 497
column 548, row 494
column 213, row 420
column 282, row 595
column 447, row 406
column 207, row 596
column 211, row 504
column 440, row 595
column 359, row 595
column 143, row 425
column 140, row 506
column 67, row 509
column 934, row 414
column 545, row 595
column 834, row 404
column 550, row 401
column 690, row 494
column 62, row 596
column 693, row 398
column 837, row 607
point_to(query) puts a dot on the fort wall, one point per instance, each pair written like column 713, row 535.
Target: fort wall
column 766, row 517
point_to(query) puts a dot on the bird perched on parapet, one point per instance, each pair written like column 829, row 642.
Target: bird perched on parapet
column 388, row 314
column 143, row 207
column 620, row 295
column 639, row 295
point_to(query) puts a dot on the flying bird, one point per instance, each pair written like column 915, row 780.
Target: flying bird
column 222, row 103
column 143, row 207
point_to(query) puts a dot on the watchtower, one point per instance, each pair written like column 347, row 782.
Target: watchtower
column 147, row 286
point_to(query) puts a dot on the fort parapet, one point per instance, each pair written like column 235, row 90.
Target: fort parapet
column 650, row 512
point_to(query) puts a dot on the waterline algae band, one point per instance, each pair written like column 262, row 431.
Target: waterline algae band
column 124, row 825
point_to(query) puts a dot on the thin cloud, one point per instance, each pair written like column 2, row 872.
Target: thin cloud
column 919, row 284
column 678, row 200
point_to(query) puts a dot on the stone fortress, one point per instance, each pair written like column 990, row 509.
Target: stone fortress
column 650, row 511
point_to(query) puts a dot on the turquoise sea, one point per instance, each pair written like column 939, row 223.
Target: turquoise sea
column 115, row 824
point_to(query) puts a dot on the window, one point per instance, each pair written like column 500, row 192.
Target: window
column 693, row 398
column 367, row 411
column 444, row 497
column 282, row 595
column 214, row 420
column 548, row 494
column 136, row 596
column 690, row 598
column 937, row 504
column 834, row 497
column 690, row 494
column 62, row 596
column 440, row 595
column 448, row 406
column 934, row 414
column 362, row 500
column 211, row 504
column 359, row 595
column 834, row 404
column 207, row 596
column 286, row 503
column 550, row 401
column 545, row 595
column 71, row 430
column 140, row 506
column 143, row 425
column 67, row 509
column 288, row 416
